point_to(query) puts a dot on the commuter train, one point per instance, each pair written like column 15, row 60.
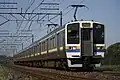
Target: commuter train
column 78, row 44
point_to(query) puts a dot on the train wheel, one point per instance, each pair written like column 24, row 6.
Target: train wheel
column 55, row 64
column 64, row 65
column 86, row 63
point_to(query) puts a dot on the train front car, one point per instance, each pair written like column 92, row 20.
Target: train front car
column 84, row 43
column 99, row 43
column 92, row 43
column 72, row 43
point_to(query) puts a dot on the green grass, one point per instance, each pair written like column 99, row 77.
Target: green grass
column 110, row 68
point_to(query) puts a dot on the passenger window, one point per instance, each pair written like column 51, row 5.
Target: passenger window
column 85, row 34
column 39, row 48
column 53, row 42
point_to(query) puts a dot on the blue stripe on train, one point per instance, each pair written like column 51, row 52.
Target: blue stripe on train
column 98, row 50
column 77, row 50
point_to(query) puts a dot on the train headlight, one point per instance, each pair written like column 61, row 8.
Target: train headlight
column 102, row 47
column 38, row 53
column 98, row 47
column 73, row 48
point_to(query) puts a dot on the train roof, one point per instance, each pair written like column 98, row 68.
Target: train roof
column 93, row 21
column 38, row 41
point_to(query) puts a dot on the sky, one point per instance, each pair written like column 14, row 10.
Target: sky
column 104, row 11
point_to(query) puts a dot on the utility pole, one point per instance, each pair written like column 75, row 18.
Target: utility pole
column 32, row 38
column 60, row 18
column 22, row 46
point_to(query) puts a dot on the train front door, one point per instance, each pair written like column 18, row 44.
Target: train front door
column 86, row 41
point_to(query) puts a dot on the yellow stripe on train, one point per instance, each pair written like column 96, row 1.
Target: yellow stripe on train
column 52, row 50
column 68, row 47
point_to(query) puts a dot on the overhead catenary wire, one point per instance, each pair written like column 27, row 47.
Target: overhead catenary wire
column 41, row 18
column 19, row 26
column 51, row 18
column 25, row 14
column 33, row 11
column 31, row 17
column 68, row 7
column 81, row 1
column 64, row 14
column 23, row 18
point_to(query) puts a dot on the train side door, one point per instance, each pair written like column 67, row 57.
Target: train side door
column 86, row 41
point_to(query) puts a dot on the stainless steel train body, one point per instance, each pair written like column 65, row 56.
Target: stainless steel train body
column 77, row 44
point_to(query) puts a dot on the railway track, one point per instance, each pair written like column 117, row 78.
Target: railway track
column 53, row 74
column 46, row 74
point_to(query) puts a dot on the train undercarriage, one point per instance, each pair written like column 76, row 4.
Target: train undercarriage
column 86, row 62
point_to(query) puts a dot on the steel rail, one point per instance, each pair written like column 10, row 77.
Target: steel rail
column 35, row 72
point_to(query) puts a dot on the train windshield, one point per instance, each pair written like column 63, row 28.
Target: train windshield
column 73, row 33
column 98, row 33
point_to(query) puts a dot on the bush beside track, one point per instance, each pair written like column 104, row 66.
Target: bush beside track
column 112, row 55
column 115, row 68
column 111, row 61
